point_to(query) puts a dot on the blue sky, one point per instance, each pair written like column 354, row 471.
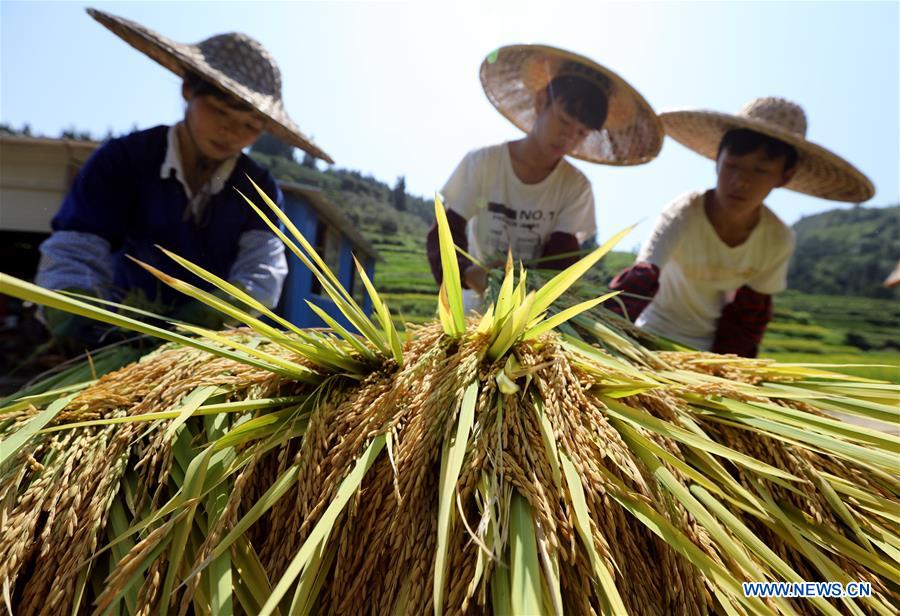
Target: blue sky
column 391, row 88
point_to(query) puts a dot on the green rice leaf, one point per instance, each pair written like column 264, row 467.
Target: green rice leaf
column 681, row 435
column 820, row 561
column 110, row 595
column 560, row 283
column 553, row 602
column 451, row 273
column 451, row 463
column 220, row 569
column 666, row 531
column 549, row 439
column 235, row 292
column 444, row 314
column 328, row 358
column 637, row 441
column 384, row 314
column 505, row 301
column 191, row 492
column 241, row 406
column 321, row 266
column 351, row 339
column 190, row 404
column 312, row 579
column 524, row 567
column 278, row 489
column 20, row 437
column 23, row 402
column 512, row 329
column 561, row 317
column 324, row 526
column 501, row 594
column 346, row 304
column 251, row 584
column 29, row 292
column 753, row 542
column 612, row 602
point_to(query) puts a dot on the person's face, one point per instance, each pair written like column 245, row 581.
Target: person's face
column 219, row 130
column 744, row 181
column 556, row 131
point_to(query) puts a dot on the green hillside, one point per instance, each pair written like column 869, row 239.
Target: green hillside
column 847, row 251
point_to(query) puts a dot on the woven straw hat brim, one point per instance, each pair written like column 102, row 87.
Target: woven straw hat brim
column 820, row 172
column 513, row 75
column 179, row 57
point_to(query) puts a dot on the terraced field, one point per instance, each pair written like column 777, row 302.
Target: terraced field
column 405, row 279
column 806, row 328
column 838, row 330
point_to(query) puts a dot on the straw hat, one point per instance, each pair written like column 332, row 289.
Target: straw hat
column 819, row 172
column 513, row 75
column 234, row 62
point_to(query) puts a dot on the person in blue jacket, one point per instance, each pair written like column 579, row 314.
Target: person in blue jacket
column 175, row 187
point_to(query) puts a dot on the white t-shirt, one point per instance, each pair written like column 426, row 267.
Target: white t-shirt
column 699, row 273
column 503, row 212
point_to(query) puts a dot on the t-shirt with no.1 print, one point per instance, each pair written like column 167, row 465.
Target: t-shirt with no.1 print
column 503, row 212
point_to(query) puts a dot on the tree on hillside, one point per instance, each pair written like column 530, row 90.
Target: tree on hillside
column 309, row 161
column 9, row 129
column 269, row 144
column 76, row 135
column 398, row 194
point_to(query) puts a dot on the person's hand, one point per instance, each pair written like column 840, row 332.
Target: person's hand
column 475, row 278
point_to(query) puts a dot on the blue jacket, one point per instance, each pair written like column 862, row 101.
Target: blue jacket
column 119, row 196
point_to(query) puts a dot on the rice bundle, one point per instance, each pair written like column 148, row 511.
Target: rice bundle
column 473, row 465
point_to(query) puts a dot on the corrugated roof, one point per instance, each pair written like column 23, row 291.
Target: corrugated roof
column 331, row 214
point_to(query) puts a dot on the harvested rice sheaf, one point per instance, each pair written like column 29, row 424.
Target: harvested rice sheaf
column 480, row 465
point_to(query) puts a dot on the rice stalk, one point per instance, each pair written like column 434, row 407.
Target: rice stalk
column 542, row 458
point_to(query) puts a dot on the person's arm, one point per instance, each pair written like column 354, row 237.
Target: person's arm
column 260, row 267
column 563, row 244
column 640, row 282
column 743, row 323
column 89, row 226
column 75, row 260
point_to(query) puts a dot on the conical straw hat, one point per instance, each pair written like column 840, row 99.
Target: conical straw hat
column 233, row 62
column 513, row 75
column 820, row 173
